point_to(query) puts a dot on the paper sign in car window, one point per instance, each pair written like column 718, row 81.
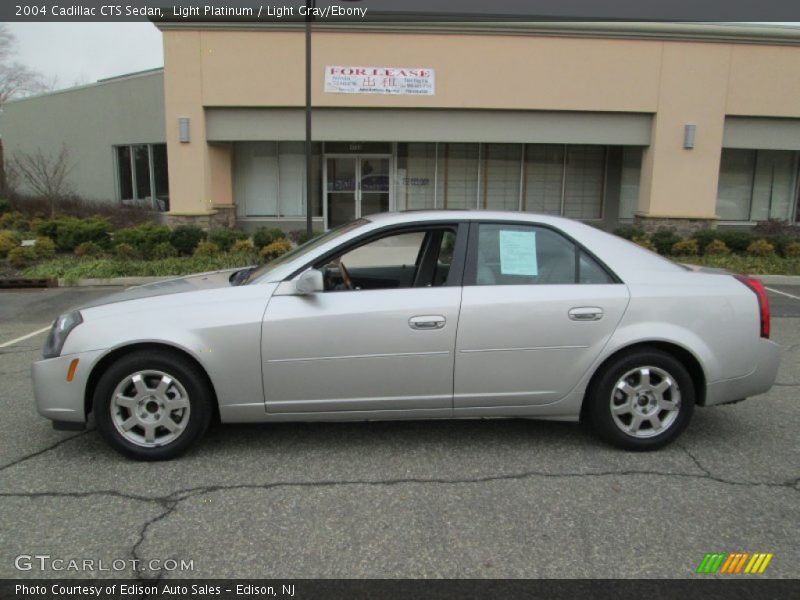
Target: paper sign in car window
column 518, row 253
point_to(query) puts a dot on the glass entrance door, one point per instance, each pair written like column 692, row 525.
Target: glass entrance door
column 340, row 190
column 356, row 186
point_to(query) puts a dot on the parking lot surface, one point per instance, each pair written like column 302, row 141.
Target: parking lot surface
column 492, row 498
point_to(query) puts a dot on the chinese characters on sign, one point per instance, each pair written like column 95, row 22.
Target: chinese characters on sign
column 380, row 80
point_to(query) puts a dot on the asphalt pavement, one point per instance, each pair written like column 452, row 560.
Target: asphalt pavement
column 492, row 498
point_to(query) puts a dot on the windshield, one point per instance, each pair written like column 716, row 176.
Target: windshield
column 306, row 248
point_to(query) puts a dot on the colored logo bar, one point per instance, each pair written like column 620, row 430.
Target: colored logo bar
column 734, row 563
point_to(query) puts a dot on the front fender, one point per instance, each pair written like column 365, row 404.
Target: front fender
column 219, row 328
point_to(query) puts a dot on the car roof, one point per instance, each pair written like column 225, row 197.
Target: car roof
column 415, row 216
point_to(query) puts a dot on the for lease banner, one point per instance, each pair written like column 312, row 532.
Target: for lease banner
column 409, row 81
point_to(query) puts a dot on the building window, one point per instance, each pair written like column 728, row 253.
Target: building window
column 757, row 185
column 629, row 181
column 543, row 178
column 458, row 176
column 142, row 168
column 500, row 172
column 584, row 182
column 270, row 179
column 416, row 176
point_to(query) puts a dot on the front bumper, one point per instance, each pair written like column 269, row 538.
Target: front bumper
column 758, row 381
column 56, row 398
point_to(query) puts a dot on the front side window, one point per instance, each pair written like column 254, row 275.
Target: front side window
column 509, row 254
column 398, row 260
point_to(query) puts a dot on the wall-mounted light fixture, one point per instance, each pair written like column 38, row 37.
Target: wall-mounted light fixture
column 183, row 130
column 688, row 135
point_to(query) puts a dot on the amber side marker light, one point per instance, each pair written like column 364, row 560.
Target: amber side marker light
column 73, row 366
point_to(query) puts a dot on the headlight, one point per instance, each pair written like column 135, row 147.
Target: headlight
column 59, row 332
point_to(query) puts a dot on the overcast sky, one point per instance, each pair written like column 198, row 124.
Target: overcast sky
column 77, row 53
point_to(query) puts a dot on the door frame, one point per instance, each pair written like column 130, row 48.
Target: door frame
column 357, row 192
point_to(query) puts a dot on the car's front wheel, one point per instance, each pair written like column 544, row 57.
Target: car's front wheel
column 642, row 400
column 152, row 405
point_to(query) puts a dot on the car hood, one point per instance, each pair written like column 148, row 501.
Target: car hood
column 178, row 285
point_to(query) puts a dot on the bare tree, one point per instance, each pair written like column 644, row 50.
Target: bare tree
column 15, row 78
column 44, row 175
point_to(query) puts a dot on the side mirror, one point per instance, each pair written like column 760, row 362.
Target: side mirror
column 309, row 282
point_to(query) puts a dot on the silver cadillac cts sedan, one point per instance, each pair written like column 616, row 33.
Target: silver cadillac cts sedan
column 416, row 315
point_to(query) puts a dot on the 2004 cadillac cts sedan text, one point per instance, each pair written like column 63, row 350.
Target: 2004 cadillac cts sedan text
column 418, row 315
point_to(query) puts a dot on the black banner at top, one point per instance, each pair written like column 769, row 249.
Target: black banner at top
column 376, row 11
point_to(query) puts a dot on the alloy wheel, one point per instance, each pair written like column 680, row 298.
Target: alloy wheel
column 645, row 402
column 150, row 408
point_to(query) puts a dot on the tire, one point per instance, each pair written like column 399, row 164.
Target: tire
column 153, row 405
column 631, row 414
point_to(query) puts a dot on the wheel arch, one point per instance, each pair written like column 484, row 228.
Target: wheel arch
column 686, row 358
column 107, row 360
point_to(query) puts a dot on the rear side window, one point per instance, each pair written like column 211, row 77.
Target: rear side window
column 509, row 254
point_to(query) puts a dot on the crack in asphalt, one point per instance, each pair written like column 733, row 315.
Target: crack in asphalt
column 14, row 463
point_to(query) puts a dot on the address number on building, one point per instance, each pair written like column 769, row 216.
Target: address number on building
column 406, row 81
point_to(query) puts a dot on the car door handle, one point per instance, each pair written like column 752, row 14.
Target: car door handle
column 427, row 322
column 586, row 313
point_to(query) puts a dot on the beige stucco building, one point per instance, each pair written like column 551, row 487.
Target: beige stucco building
column 685, row 125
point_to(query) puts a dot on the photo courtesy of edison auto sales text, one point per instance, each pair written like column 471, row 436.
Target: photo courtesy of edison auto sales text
column 139, row 590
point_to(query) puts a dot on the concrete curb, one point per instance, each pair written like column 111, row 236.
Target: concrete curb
column 113, row 281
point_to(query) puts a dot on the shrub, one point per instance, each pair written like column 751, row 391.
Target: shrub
column 664, row 239
column 275, row 249
column 792, row 250
column 13, row 220
column 69, row 232
column 265, row 236
column 162, row 250
column 630, row 232
column 5, row 206
column 44, row 248
column 45, row 227
column 705, row 236
column 143, row 237
column 125, row 251
column 716, row 248
column 20, row 257
column 185, row 238
column 242, row 246
column 85, row 249
column 300, row 236
column 206, row 248
column 685, row 248
column 8, row 242
column 737, row 241
column 225, row 238
column 760, row 248
column 780, row 242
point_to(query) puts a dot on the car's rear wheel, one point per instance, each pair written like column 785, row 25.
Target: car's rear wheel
column 642, row 400
column 152, row 405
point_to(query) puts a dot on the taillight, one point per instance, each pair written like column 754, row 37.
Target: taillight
column 763, row 304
